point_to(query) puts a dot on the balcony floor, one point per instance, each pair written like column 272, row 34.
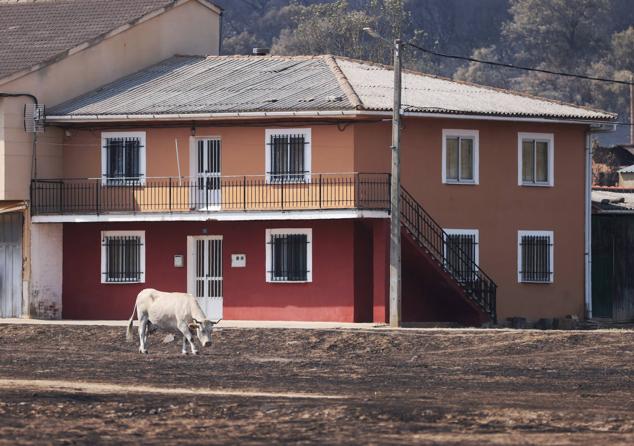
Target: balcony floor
column 213, row 216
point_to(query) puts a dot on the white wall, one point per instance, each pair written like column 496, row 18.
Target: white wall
column 45, row 300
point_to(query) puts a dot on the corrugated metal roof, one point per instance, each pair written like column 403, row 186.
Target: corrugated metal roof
column 607, row 200
column 424, row 93
column 628, row 169
column 216, row 84
column 224, row 84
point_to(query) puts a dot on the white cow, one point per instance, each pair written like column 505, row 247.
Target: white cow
column 171, row 311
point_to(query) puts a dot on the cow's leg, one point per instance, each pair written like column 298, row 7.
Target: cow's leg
column 188, row 336
column 184, row 349
column 143, row 334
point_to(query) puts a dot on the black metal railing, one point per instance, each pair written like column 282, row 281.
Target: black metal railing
column 209, row 193
column 429, row 235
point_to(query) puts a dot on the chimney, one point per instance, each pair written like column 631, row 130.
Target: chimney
column 261, row 51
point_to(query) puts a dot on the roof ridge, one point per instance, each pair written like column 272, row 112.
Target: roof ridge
column 343, row 81
column 473, row 84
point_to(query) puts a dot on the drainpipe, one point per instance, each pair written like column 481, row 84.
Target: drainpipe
column 588, row 227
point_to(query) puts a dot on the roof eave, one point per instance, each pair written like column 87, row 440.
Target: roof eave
column 59, row 119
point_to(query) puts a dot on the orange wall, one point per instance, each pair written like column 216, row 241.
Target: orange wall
column 498, row 207
column 242, row 150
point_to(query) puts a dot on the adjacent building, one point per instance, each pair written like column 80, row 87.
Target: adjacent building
column 51, row 51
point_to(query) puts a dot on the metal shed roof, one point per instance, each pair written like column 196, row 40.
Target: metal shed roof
column 196, row 85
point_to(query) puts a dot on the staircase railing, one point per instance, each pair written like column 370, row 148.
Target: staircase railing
column 429, row 235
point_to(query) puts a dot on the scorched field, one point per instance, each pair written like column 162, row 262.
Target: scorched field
column 86, row 385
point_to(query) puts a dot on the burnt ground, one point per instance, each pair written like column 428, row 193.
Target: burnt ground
column 82, row 385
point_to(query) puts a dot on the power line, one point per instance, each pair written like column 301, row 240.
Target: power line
column 517, row 67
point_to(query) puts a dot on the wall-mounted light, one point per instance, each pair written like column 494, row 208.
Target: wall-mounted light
column 193, row 130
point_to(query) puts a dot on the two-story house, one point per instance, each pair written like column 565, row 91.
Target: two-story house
column 260, row 184
column 51, row 51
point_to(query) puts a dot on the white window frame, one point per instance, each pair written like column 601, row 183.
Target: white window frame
column 538, row 137
column 142, row 157
column 475, row 232
column 551, row 236
column 461, row 133
column 306, row 132
column 105, row 234
column 269, row 257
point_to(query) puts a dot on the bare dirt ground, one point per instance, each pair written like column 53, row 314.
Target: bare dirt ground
column 86, row 385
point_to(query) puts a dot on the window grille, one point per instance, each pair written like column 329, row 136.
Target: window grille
column 123, row 156
column 462, row 255
column 122, row 258
column 287, row 158
column 536, row 258
column 289, row 257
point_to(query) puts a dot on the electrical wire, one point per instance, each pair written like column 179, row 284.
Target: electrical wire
column 516, row 67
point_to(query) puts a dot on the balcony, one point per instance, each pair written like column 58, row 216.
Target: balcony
column 207, row 194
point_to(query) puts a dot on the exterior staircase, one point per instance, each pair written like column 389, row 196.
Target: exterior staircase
column 475, row 285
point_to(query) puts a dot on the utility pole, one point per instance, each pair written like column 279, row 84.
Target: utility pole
column 631, row 108
column 395, row 195
column 395, row 186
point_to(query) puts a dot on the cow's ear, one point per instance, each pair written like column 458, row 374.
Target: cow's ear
column 193, row 326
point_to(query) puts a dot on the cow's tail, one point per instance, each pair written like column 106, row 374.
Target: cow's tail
column 128, row 332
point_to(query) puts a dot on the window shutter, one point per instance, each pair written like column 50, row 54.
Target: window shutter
column 132, row 151
column 114, row 158
column 297, row 244
column 296, row 157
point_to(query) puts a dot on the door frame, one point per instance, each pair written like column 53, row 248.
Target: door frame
column 191, row 261
column 193, row 169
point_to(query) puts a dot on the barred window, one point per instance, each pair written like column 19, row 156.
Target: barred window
column 288, row 155
column 460, row 156
column 122, row 257
column 535, row 256
column 535, row 159
column 123, row 157
column 462, row 253
column 289, row 255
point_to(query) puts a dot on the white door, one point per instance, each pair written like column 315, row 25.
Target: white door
column 207, row 194
column 205, row 273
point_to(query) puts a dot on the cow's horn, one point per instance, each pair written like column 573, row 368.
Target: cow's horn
column 217, row 322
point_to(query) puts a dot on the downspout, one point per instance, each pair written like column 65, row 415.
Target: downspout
column 588, row 226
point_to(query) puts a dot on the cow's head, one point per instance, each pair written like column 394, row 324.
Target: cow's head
column 203, row 330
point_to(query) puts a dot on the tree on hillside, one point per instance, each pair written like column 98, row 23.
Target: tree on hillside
column 337, row 28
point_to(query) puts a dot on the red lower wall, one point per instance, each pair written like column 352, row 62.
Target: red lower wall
column 338, row 246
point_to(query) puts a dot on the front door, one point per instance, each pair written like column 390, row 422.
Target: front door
column 11, row 264
column 207, row 174
column 205, row 273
